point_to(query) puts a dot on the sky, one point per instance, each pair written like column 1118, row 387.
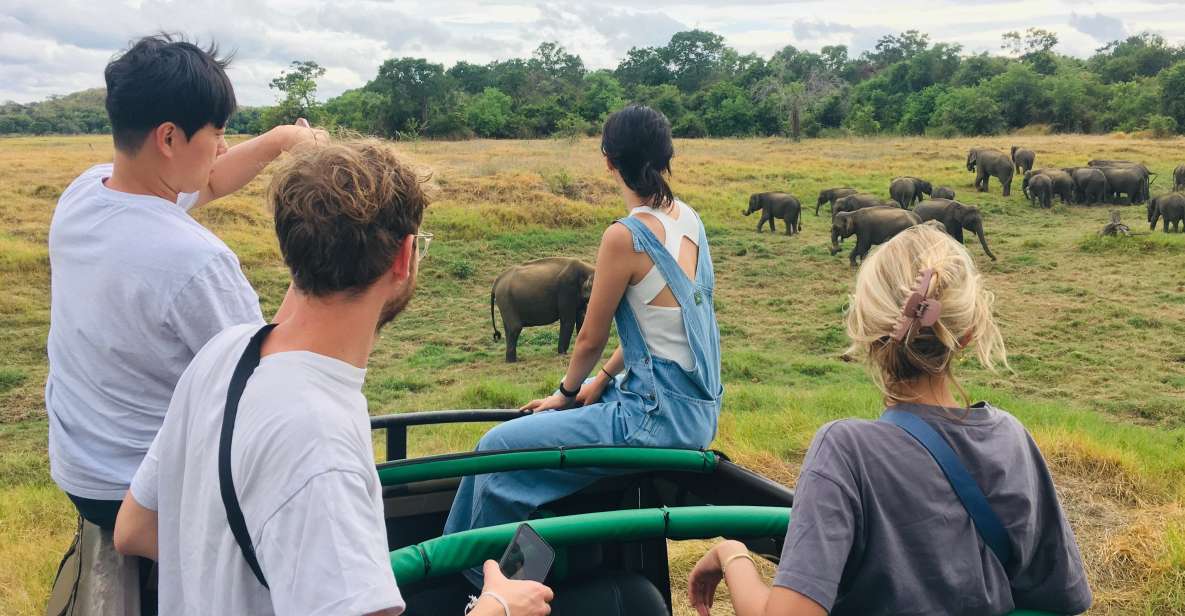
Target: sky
column 60, row 46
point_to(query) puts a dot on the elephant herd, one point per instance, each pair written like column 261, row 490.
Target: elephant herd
column 872, row 219
column 544, row 291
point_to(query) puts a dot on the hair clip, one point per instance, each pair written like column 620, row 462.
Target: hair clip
column 918, row 308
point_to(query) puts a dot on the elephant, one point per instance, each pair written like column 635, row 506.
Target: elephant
column 1179, row 178
column 777, row 205
column 906, row 190
column 1100, row 162
column 851, row 203
column 1172, row 207
column 1130, row 180
column 830, row 195
column 1090, row 184
column 955, row 217
column 943, row 192
column 988, row 162
column 541, row 292
column 1063, row 184
column 1023, row 158
column 1040, row 189
column 872, row 226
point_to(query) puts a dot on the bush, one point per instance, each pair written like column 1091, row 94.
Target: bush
column 572, row 127
column 690, row 126
column 967, row 111
column 461, row 268
column 861, row 122
column 1162, row 126
column 488, row 113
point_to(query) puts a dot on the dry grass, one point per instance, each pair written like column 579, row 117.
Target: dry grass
column 1094, row 327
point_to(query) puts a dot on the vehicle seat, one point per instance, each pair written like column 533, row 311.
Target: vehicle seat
column 617, row 593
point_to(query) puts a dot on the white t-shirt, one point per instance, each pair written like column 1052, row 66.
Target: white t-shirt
column 137, row 288
column 304, row 470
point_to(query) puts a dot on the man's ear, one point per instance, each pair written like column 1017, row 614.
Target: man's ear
column 165, row 137
column 405, row 256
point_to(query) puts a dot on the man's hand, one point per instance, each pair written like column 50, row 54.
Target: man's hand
column 524, row 598
column 293, row 135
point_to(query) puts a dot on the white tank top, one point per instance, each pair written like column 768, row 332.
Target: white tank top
column 662, row 326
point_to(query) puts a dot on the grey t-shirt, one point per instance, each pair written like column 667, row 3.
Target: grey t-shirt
column 877, row 528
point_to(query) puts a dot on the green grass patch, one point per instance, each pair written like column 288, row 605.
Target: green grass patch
column 10, row 378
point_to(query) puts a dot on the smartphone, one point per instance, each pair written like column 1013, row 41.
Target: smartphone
column 528, row 557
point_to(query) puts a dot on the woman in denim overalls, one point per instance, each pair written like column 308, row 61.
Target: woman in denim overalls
column 650, row 401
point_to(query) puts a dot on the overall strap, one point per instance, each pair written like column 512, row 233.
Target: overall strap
column 681, row 286
column 987, row 523
column 234, row 514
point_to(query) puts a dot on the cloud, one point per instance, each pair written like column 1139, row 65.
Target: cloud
column 808, row 30
column 60, row 46
column 1103, row 28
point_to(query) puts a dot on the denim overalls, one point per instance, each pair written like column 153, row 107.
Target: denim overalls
column 653, row 403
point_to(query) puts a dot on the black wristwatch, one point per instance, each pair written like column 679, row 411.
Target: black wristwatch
column 568, row 394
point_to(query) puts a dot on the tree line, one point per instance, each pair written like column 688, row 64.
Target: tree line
column 905, row 85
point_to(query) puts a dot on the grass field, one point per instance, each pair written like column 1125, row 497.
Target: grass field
column 1095, row 328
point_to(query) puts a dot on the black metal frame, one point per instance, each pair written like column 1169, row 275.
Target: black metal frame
column 396, row 425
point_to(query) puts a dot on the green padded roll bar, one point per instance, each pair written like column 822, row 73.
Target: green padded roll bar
column 647, row 458
column 460, row 551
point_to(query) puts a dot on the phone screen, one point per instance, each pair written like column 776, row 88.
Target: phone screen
column 528, row 557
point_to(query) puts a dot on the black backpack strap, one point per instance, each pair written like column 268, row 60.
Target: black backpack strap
column 230, row 500
column 987, row 523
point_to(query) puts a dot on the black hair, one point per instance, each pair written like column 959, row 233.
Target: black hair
column 637, row 142
column 163, row 78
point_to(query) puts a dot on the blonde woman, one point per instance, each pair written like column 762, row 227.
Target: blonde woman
column 877, row 527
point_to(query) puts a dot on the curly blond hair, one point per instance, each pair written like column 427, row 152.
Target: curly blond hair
column 341, row 212
column 884, row 284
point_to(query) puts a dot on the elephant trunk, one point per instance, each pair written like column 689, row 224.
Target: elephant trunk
column 983, row 242
column 835, row 238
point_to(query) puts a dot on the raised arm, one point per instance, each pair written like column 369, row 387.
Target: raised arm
column 240, row 164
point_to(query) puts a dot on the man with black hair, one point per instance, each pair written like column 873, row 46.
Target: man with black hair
column 137, row 285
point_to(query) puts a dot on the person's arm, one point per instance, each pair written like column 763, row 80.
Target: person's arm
column 135, row 529
column 750, row 596
column 590, row 393
column 609, row 284
column 240, row 164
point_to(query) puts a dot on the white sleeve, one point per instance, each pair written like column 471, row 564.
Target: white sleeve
column 325, row 550
column 146, row 482
column 215, row 298
column 188, row 200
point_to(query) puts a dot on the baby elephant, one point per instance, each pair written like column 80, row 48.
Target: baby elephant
column 944, row 192
column 1172, row 207
column 871, row 226
column 541, row 292
column 777, row 205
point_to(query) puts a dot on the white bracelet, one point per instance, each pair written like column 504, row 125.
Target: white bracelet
column 496, row 596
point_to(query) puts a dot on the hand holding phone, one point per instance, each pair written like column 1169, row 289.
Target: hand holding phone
column 528, row 557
